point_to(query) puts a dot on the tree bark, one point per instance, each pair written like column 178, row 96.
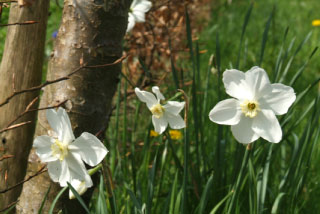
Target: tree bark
column 21, row 68
column 91, row 32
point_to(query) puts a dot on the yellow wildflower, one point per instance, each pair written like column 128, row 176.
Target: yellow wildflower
column 175, row 134
column 316, row 23
column 153, row 133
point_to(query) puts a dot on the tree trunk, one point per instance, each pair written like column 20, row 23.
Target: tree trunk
column 21, row 68
column 91, row 32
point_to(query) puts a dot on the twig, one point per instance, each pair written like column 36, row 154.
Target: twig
column 28, row 110
column 8, row 1
column 42, row 170
column 49, row 82
column 19, row 23
column 5, row 157
column 9, row 206
column 15, row 126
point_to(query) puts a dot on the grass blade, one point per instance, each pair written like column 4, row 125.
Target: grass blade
column 265, row 36
column 78, row 197
column 244, row 27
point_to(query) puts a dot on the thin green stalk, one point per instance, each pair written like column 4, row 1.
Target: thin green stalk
column 236, row 188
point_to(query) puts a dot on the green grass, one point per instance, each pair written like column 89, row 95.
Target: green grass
column 208, row 171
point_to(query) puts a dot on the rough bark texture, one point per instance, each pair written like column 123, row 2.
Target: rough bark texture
column 23, row 59
column 91, row 31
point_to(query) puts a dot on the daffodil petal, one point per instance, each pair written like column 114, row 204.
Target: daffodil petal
column 139, row 16
column 90, row 148
column 160, row 124
column 267, row 126
column 77, row 169
column 134, row 3
column 64, row 174
column 234, row 82
column 131, row 22
column 258, row 80
column 175, row 121
column 54, row 170
column 60, row 123
column 174, row 107
column 156, row 90
column 146, row 97
column 79, row 186
column 226, row 112
column 243, row 131
column 42, row 144
column 279, row 99
column 143, row 6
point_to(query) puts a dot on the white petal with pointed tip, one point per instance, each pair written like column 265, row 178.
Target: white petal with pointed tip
column 175, row 121
column 90, row 148
column 279, row 99
column 60, row 123
column 174, row 107
column 131, row 22
column 160, row 124
column 235, row 85
column 258, row 81
column 226, row 112
column 266, row 125
column 243, row 131
column 146, row 97
column 43, row 148
column 144, row 6
column 156, row 90
column 77, row 169
column 54, row 170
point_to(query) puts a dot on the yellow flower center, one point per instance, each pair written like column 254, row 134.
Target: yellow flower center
column 59, row 150
column 157, row 110
column 250, row 108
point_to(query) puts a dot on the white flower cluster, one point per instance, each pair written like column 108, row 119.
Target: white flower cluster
column 65, row 154
column 251, row 113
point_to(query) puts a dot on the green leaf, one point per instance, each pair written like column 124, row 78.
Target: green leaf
column 78, row 197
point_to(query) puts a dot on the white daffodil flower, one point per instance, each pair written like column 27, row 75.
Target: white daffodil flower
column 137, row 12
column 65, row 154
column 162, row 114
column 251, row 113
column 79, row 186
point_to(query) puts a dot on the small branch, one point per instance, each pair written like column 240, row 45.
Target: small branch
column 19, row 23
column 42, row 170
column 9, row 206
column 8, row 1
column 5, row 157
column 28, row 110
column 15, row 126
column 49, row 82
